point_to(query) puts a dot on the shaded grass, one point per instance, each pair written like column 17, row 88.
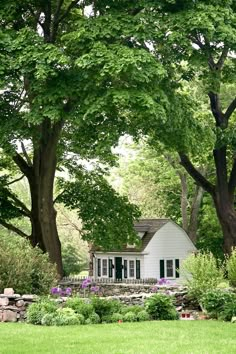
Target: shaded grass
column 205, row 337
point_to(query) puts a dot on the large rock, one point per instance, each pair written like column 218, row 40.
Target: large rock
column 4, row 301
column 8, row 291
column 9, row 316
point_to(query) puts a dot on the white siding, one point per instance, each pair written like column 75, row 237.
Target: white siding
column 169, row 242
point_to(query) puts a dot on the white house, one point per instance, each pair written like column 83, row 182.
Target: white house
column 164, row 245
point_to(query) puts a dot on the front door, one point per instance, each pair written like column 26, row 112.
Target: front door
column 118, row 268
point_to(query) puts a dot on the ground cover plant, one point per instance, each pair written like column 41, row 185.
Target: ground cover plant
column 120, row 338
column 80, row 311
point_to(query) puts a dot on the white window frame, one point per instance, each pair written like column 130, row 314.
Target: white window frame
column 104, row 274
column 165, row 267
column 134, row 276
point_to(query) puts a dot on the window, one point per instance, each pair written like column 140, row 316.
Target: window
column 104, row 267
column 131, row 269
column 99, row 267
column 169, row 268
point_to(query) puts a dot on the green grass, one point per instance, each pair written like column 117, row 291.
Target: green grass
column 205, row 337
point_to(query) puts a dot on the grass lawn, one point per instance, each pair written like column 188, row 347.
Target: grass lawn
column 205, row 337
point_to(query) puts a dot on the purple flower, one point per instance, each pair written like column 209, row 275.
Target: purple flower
column 85, row 283
column 94, row 289
column 55, row 291
column 68, row 291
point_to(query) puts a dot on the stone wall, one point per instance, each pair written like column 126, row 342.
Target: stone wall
column 13, row 306
column 132, row 294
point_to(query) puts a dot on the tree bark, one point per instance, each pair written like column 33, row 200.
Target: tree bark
column 227, row 218
column 195, row 207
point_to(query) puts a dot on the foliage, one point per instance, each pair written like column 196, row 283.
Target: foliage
column 38, row 310
column 80, row 306
column 73, row 261
column 94, row 318
column 100, row 207
column 201, row 273
column 143, row 316
column 231, row 267
column 215, row 301
column 160, row 307
column 133, row 308
column 67, row 316
column 130, row 317
column 23, row 268
column 117, row 317
column 229, row 310
column 104, row 307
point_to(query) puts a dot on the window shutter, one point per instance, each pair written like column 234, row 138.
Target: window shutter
column 162, row 268
column 125, row 268
column 177, row 268
column 110, row 268
column 137, row 269
column 99, row 267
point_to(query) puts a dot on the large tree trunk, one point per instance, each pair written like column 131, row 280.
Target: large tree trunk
column 227, row 218
column 41, row 174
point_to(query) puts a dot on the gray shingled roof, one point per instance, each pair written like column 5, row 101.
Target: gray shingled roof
column 149, row 227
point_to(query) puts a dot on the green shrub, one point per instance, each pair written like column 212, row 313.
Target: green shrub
column 115, row 317
column 130, row 317
column 214, row 301
column 231, row 267
column 201, row 273
column 67, row 316
column 48, row 319
column 80, row 306
column 23, row 268
column 134, row 308
column 37, row 310
column 104, row 307
column 94, row 318
column 160, row 307
column 143, row 316
column 229, row 311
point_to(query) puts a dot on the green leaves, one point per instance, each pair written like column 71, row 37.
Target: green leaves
column 107, row 218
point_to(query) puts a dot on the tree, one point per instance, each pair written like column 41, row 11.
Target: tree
column 159, row 185
column 188, row 40
column 60, row 86
column 203, row 34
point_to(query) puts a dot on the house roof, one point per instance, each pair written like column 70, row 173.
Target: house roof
column 147, row 226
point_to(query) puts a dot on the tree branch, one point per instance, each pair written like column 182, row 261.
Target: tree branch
column 216, row 110
column 55, row 22
column 13, row 228
column 25, row 211
column 69, row 8
column 15, row 180
column 230, row 110
column 25, row 154
column 22, row 164
column 222, row 58
column 195, row 174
